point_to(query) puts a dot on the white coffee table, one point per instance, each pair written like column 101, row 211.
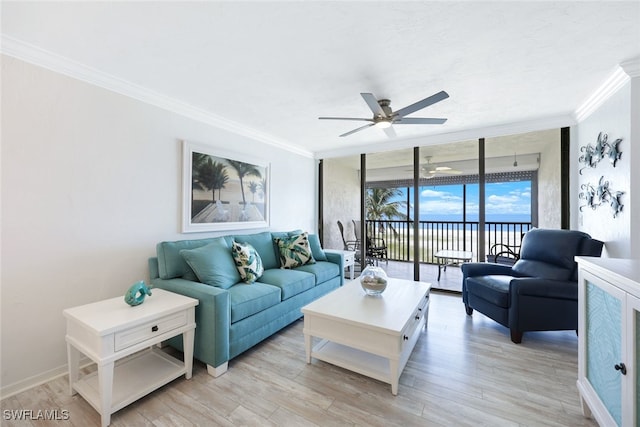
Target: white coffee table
column 370, row 335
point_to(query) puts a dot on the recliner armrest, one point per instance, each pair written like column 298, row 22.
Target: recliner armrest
column 545, row 288
column 471, row 269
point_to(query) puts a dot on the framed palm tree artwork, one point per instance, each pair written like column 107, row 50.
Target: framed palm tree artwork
column 223, row 190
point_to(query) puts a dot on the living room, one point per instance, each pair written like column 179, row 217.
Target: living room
column 92, row 163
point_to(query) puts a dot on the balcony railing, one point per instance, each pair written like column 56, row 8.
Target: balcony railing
column 443, row 235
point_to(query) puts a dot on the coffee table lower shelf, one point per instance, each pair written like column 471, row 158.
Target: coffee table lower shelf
column 382, row 368
column 362, row 362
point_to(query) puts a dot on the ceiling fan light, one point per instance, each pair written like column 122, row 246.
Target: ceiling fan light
column 383, row 124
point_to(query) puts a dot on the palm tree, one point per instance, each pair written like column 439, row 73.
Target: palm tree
column 213, row 176
column 379, row 205
column 253, row 187
column 198, row 160
column 243, row 169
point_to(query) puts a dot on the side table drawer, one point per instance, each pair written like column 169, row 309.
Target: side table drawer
column 349, row 259
column 147, row 331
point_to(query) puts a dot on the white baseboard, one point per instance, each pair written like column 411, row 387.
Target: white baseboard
column 36, row 380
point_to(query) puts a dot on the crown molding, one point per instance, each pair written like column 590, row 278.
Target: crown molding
column 631, row 67
column 611, row 85
column 32, row 54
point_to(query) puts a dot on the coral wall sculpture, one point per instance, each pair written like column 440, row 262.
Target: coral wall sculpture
column 593, row 154
column 599, row 195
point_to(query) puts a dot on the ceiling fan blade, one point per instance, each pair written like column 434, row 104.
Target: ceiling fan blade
column 390, row 132
column 418, row 121
column 357, row 129
column 372, row 102
column 422, row 104
column 346, row 118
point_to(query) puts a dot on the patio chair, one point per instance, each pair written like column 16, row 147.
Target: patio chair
column 348, row 245
column 502, row 253
column 376, row 246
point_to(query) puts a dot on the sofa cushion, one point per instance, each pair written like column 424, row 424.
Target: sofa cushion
column 171, row 264
column 294, row 251
column 213, row 264
column 322, row 270
column 247, row 261
column 494, row 289
column 263, row 244
column 247, row 300
column 292, row 282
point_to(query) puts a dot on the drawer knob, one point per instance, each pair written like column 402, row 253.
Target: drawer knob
column 622, row 368
column 405, row 337
column 154, row 328
column 417, row 317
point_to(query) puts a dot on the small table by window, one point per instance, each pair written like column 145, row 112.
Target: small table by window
column 349, row 259
column 450, row 258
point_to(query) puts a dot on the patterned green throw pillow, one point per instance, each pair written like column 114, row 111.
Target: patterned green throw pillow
column 294, row 250
column 248, row 261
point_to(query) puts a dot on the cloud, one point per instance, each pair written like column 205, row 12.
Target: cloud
column 428, row 193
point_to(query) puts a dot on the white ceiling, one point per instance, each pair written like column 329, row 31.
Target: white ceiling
column 272, row 68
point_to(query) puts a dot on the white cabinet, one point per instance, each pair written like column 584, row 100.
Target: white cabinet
column 608, row 341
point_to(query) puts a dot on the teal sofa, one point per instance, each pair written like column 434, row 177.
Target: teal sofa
column 233, row 316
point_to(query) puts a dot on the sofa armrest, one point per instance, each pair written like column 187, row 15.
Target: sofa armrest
column 544, row 288
column 336, row 257
column 213, row 318
column 154, row 270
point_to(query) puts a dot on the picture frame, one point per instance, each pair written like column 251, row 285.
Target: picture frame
column 223, row 190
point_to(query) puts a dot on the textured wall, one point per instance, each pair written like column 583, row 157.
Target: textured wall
column 341, row 201
column 549, row 197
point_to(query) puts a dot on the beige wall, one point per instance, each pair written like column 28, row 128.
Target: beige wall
column 91, row 181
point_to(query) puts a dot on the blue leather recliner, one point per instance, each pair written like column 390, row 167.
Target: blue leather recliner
column 540, row 291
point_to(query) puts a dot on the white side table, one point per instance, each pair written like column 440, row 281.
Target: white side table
column 110, row 330
column 349, row 259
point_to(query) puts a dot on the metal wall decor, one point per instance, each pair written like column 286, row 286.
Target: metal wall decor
column 593, row 154
column 600, row 195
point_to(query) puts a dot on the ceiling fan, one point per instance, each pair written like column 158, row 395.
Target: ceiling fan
column 384, row 117
column 431, row 170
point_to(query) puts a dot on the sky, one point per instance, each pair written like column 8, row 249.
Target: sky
column 504, row 201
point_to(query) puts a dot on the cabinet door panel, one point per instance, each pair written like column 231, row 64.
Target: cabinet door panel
column 604, row 346
column 633, row 358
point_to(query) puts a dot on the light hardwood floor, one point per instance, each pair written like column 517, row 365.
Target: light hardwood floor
column 464, row 371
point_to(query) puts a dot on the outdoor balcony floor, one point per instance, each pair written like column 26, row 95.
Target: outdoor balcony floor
column 450, row 280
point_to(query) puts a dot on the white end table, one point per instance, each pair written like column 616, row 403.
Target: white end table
column 111, row 330
column 349, row 259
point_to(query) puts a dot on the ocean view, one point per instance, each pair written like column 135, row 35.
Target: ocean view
column 474, row 217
